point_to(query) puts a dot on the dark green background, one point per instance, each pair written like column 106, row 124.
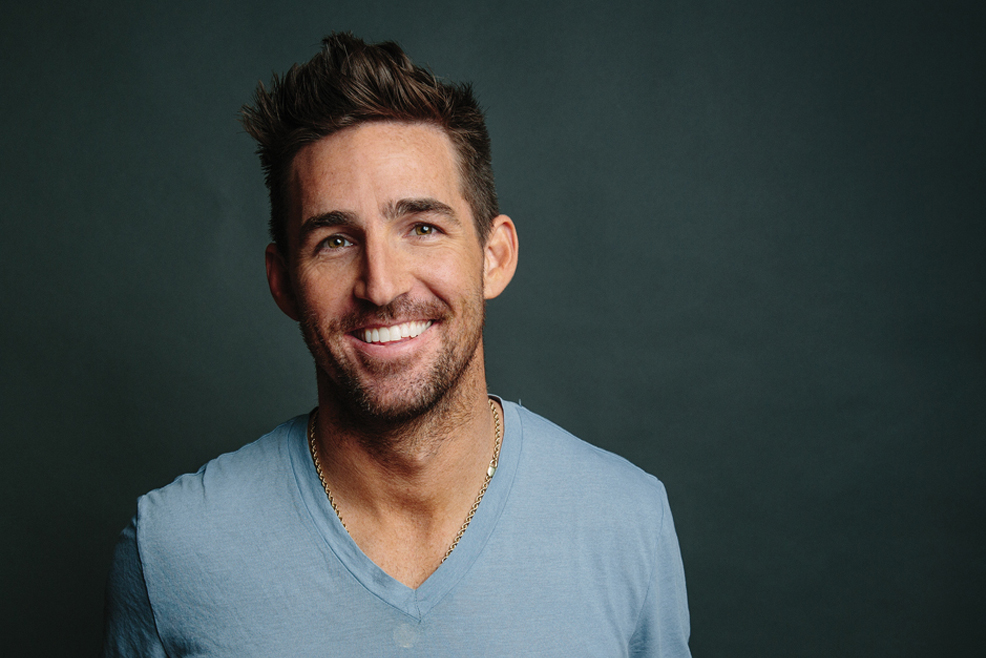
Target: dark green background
column 752, row 261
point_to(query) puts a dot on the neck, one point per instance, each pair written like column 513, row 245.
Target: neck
column 405, row 489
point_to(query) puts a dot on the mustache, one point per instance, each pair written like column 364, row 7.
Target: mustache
column 402, row 309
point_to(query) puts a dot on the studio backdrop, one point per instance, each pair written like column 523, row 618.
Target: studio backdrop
column 752, row 262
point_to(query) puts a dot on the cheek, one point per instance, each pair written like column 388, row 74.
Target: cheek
column 319, row 297
column 458, row 268
column 452, row 281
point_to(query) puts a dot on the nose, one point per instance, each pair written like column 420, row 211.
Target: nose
column 383, row 273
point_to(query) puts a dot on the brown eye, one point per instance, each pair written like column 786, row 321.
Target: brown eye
column 336, row 242
column 424, row 229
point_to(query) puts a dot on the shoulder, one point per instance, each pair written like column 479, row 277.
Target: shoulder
column 586, row 475
column 598, row 526
column 223, row 490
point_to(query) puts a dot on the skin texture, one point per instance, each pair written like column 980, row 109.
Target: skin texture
column 380, row 234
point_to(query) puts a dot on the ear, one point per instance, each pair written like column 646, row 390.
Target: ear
column 279, row 280
column 500, row 256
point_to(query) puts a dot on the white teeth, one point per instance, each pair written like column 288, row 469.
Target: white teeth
column 397, row 332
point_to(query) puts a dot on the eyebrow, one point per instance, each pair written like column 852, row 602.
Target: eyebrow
column 406, row 207
column 333, row 218
column 393, row 211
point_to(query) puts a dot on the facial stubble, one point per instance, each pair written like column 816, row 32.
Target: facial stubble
column 386, row 395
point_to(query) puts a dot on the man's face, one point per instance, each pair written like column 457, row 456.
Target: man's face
column 385, row 267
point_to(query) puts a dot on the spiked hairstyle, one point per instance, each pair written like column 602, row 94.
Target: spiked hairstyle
column 350, row 82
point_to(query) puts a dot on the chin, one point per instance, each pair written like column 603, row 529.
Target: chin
column 398, row 398
column 398, row 392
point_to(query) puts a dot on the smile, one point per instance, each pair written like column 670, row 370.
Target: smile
column 397, row 332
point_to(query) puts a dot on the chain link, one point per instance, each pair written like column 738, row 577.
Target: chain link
column 490, row 471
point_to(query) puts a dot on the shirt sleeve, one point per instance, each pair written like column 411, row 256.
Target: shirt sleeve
column 664, row 626
column 129, row 629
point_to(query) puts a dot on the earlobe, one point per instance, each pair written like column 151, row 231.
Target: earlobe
column 500, row 256
column 279, row 281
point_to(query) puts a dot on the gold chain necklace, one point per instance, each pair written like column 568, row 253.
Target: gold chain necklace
column 475, row 506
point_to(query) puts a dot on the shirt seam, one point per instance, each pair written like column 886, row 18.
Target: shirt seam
column 650, row 584
column 147, row 590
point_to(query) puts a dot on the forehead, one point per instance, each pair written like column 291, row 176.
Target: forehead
column 368, row 166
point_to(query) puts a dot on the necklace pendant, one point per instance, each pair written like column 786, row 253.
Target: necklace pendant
column 490, row 471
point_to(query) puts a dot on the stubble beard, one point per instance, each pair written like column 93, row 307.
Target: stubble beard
column 386, row 395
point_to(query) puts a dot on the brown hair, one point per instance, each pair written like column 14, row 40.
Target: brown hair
column 350, row 82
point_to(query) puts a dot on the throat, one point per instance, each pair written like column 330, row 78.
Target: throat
column 407, row 523
column 406, row 553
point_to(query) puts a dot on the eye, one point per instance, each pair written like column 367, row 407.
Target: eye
column 424, row 229
column 336, row 242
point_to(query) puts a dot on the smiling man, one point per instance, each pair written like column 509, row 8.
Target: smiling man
column 410, row 513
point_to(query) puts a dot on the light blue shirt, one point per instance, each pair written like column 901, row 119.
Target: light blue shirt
column 571, row 553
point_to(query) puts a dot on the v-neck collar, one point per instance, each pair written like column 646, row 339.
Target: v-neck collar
column 413, row 602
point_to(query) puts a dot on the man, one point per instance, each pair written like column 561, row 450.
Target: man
column 410, row 513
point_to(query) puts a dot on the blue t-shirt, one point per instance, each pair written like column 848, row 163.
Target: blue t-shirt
column 571, row 553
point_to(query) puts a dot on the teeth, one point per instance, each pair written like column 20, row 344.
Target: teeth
column 397, row 332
